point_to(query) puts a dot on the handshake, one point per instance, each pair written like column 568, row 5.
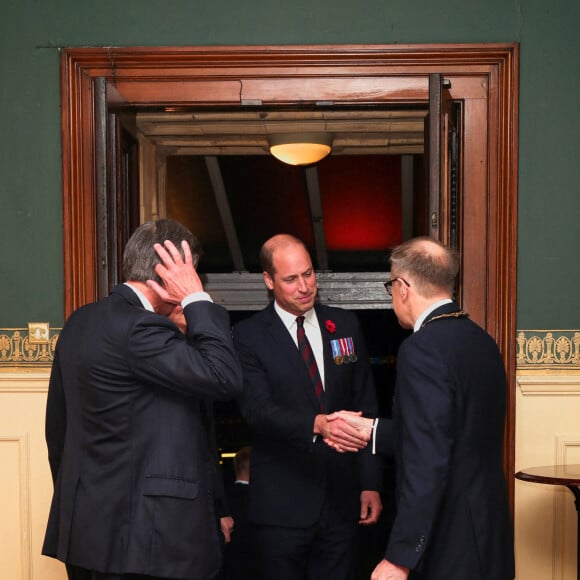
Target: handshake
column 345, row 430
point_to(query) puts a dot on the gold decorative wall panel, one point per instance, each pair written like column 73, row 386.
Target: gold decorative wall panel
column 17, row 348
column 536, row 350
column 548, row 350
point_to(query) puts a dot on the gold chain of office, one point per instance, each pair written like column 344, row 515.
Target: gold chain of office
column 458, row 314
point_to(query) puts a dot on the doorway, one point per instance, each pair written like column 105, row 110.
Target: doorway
column 483, row 79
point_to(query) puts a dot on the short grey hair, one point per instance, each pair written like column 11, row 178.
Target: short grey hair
column 140, row 257
column 432, row 265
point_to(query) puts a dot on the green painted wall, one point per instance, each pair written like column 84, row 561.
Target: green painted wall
column 31, row 31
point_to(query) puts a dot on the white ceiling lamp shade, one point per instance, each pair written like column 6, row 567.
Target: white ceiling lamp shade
column 300, row 148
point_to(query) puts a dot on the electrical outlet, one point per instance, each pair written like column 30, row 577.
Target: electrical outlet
column 38, row 332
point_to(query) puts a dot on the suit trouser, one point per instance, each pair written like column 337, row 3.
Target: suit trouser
column 324, row 550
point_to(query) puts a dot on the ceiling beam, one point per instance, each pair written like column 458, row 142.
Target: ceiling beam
column 313, row 188
column 221, row 198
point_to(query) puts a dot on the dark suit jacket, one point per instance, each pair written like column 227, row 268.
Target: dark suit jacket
column 128, row 429
column 452, row 519
column 291, row 474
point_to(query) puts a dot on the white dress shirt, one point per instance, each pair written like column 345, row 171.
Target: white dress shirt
column 427, row 311
column 312, row 330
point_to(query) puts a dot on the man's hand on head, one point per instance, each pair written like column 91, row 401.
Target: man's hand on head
column 178, row 274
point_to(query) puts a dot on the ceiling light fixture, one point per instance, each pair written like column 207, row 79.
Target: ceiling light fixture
column 300, row 148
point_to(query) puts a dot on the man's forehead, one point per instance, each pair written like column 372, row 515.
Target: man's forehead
column 288, row 270
column 292, row 264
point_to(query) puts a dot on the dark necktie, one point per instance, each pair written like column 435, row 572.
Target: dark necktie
column 310, row 362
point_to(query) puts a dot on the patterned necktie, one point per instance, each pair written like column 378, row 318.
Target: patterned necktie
column 310, row 362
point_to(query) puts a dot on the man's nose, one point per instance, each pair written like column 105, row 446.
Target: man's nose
column 302, row 284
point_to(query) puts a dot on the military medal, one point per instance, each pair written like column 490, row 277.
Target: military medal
column 336, row 351
column 347, row 349
column 350, row 345
column 343, row 350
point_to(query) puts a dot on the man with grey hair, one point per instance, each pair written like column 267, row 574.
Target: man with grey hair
column 452, row 520
column 129, row 425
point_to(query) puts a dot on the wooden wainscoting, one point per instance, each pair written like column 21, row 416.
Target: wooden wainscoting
column 25, row 482
column 547, row 433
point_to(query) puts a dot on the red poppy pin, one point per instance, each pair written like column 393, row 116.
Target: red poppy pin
column 330, row 326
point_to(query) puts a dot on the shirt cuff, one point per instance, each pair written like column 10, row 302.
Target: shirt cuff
column 196, row 297
column 374, row 434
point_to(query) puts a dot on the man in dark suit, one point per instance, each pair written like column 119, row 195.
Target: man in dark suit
column 305, row 498
column 452, row 519
column 129, row 423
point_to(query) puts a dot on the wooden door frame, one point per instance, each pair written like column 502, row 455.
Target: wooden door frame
column 483, row 76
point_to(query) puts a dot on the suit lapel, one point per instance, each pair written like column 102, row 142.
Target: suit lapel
column 330, row 368
column 288, row 353
column 279, row 333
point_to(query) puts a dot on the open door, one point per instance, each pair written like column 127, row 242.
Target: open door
column 442, row 147
column 442, row 139
column 117, row 183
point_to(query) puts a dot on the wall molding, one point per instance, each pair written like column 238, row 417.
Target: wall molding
column 17, row 350
column 543, row 351
column 567, row 384
column 548, row 350
column 24, row 380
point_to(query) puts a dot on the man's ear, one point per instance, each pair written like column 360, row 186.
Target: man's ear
column 268, row 281
column 403, row 290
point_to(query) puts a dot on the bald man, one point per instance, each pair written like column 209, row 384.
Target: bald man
column 452, row 519
column 301, row 361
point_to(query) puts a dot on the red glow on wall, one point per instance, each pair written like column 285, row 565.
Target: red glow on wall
column 361, row 201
